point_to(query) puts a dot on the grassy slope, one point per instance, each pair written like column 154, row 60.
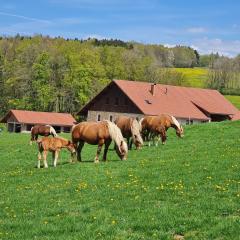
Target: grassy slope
column 235, row 100
column 189, row 186
column 194, row 77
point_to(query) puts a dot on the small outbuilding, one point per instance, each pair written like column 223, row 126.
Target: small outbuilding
column 23, row 121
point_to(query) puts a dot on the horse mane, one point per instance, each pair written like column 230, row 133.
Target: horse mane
column 52, row 130
column 136, row 129
column 176, row 123
column 116, row 135
column 140, row 123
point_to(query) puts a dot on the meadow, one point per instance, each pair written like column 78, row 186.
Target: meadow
column 194, row 77
column 190, row 187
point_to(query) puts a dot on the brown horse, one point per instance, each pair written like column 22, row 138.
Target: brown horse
column 158, row 125
column 43, row 130
column 53, row 145
column 99, row 133
column 130, row 129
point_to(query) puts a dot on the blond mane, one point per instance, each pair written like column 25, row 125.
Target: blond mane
column 176, row 123
column 116, row 135
column 136, row 129
column 52, row 130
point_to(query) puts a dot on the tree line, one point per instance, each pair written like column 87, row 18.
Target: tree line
column 56, row 74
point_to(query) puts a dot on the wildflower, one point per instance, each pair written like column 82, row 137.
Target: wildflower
column 113, row 221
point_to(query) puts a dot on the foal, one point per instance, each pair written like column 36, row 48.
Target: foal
column 53, row 145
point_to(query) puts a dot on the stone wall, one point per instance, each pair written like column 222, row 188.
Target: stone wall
column 93, row 116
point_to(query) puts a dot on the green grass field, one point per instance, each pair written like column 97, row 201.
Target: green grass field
column 189, row 187
column 235, row 100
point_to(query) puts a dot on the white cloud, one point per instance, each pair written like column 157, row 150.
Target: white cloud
column 229, row 48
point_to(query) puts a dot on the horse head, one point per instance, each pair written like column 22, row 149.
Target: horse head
column 180, row 132
column 71, row 147
column 122, row 150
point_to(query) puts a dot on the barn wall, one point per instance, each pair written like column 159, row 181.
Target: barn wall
column 114, row 100
column 93, row 116
column 12, row 119
column 186, row 121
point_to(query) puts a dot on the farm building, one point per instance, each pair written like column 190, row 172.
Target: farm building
column 131, row 98
column 22, row 121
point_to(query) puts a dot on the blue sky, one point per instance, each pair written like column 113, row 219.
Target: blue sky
column 206, row 25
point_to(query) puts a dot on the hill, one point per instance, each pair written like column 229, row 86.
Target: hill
column 194, row 77
column 197, row 77
column 188, row 187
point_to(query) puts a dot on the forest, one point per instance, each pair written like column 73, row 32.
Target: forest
column 56, row 74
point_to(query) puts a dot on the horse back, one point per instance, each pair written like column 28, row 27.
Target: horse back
column 52, row 144
column 90, row 132
column 124, row 123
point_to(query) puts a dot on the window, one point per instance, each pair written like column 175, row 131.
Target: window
column 191, row 121
column 126, row 101
column 116, row 101
column 111, row 118
column 99, row 117
column 107, row 100
column 187, row 122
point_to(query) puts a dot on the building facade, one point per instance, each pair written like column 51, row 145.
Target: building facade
column 138, row 99
column 22, row 121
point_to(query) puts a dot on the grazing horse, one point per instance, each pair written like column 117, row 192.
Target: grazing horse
column 158, row 125
column 99, row 133
column 53, row 145
column 130, row 129
column 43, row 130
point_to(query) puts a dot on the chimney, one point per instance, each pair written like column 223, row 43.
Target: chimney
column 152, row 90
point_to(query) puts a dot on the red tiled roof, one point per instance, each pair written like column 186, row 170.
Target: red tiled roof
column 236, row 116
column 175, row 100
column 31, row 117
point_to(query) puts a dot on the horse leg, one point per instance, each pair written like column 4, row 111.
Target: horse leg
column 130, row 143
column 107, row 144
column 100, row 144
column 45, row 159
column 56, row 153
column 39, row 159
column 79, row 150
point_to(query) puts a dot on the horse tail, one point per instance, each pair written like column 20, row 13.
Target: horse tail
column 116, row 135
column 32, row 137
column 52, row 131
